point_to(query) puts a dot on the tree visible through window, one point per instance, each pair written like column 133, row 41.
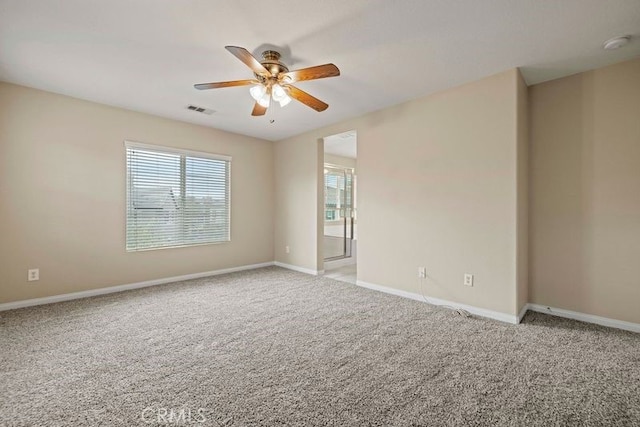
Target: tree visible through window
column 176, row 197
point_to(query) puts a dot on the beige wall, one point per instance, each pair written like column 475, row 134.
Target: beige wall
column 449, row 169
column 443, row 169
column 346, row 162
column 296, row 177
column 585, row 192
column 62, row 196
column 522, row 235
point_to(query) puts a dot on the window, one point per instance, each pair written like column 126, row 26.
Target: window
column 338, row 187
column 176, row 197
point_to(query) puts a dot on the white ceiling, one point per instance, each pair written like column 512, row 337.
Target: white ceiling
column 145, row 55
column 343, row 144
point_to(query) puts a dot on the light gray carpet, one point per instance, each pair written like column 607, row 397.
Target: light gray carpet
column 274, row 347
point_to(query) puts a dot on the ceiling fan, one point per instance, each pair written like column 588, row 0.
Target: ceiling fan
column 273, row 80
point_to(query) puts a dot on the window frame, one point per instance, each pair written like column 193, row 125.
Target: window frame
column 128, row 144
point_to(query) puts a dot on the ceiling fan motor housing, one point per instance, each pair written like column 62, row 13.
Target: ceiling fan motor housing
column 271, row 61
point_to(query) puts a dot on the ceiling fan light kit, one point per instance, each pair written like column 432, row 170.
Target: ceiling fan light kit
column 265, row 101
column 286, row 100
column 257, row 91
column 279, row 95
column 260, row 93
column 273, row 80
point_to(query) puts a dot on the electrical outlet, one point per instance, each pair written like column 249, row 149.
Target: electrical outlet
column 422, row 272
column 33, row 274
column 468, row 279
column 286, row 249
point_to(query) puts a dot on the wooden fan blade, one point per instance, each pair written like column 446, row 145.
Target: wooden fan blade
column 258, row 110
column 203, row 86
column 311, row 73
column 306, row 99
column 250, row 61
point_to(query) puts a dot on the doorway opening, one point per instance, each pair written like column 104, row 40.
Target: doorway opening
column 340, row 237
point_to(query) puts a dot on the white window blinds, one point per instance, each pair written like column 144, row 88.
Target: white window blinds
column 176, row 197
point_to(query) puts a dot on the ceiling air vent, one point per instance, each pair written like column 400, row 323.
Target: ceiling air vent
column 202, row 110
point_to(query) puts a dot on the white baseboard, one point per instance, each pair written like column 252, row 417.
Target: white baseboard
column 496, row 315
column 589, row 318
column 119, row 288
column 392, row 291
column 298, row 269
column 523, row 311
column 330, row 265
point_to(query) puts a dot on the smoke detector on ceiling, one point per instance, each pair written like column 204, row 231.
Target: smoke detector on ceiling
column 616, row 42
